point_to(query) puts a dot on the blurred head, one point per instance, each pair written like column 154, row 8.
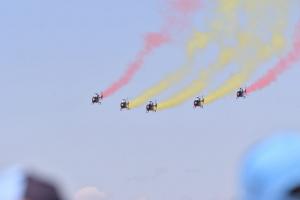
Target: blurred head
column 38, row 189
column 15, row 184
column 271, row 169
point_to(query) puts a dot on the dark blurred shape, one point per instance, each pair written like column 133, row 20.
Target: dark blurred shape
column 295, row 192
column 38, row 189
column 17, row 184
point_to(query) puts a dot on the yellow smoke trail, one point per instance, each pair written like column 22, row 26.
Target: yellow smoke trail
column 199, row 41
column 225, row 19
column 224, row 25
column 228, row 54
column 225, row 57
column 247, row 70
column 278, row 42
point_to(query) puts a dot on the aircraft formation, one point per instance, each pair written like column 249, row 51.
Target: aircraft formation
column 244, row 36
column 152, row 107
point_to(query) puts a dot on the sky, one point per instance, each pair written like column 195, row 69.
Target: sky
column 54, row 55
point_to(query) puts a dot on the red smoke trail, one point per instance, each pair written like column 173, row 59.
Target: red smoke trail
column 152, row 41
column 186, row 6
column 178, row 15
column 283, row 65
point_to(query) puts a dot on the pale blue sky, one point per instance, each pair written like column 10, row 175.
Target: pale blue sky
column 55, row 54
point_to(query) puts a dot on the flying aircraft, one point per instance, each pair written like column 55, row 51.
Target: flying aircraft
column 198, row 102
column 124, row 104
column 97, row 98
column 241, row 93
column 151, row 107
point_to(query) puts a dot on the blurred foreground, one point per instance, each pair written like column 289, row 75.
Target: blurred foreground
column 270, row 171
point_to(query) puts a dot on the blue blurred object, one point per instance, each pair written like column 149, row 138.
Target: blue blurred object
column 271, row 170
column 12, row 184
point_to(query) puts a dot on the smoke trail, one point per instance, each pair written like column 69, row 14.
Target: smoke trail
column 246, row 39
column 152, row 41
column 224, row 58
column 222, row 27
column 283, row 65
column 264, row 53
column 198, row 41
column 185, row 6
column 178, row 14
